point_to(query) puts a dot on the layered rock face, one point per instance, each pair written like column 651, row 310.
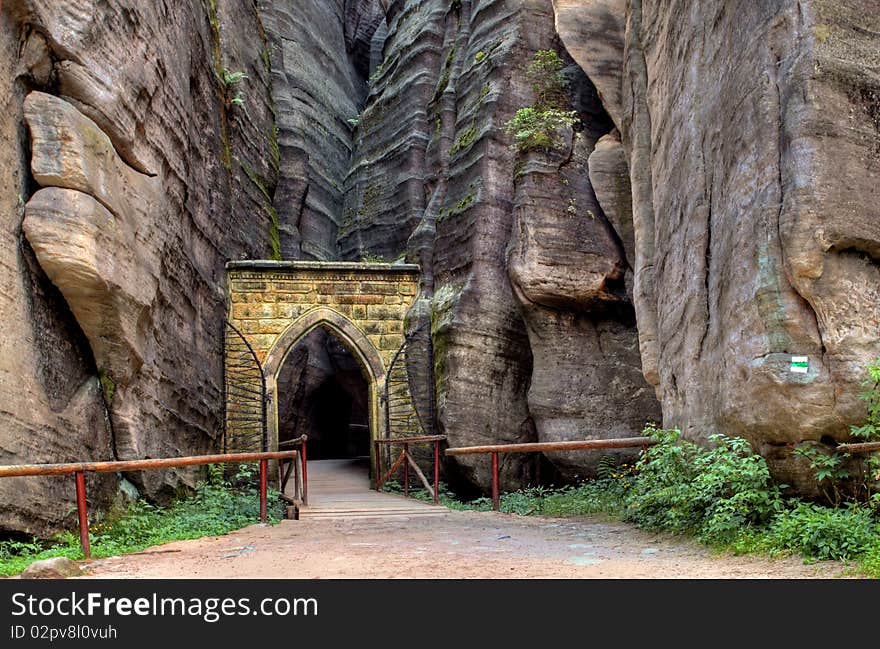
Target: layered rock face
column 136, row 176
column 320, row 53
column 569, row 269
column 533, row 329
column 53, row 408
column 752, row 138
column 713, row 213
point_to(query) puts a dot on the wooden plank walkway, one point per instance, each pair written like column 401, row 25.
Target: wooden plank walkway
column 340, row 489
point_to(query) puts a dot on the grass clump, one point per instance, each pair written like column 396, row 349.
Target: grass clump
column 218, row 506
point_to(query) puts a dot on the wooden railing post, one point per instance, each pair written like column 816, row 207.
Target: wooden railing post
column 378, row 464
column 436, row 472
column 83, row 513
column 305, row 474
column 405, row 470
column 496, row 500
column 264, row 470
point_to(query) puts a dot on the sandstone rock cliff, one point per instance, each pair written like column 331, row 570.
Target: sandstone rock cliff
column 534, row 332
column 136, row 177
column 752, row 139
column 713, row 212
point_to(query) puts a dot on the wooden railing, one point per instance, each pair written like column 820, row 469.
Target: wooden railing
column 79, row 470
column 406, row 461
column 540, row 447
column 301, row 474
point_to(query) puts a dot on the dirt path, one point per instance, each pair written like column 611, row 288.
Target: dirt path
column 458, row 545
column 354, row 534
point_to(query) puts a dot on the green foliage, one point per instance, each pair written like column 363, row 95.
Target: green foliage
column 841, row 479
column 870, row 430
column 538, row 126
column 371, row 258
column 108, row 387
column 465, row 139
column 230, row 80
column 462, row 206
column 828, row 470
column 549, row 85
column 588, row 498
column 219, row 505
column 532, row 128
column 711, row 493
column 377, row 73
column 823, row 533
column 723, row 495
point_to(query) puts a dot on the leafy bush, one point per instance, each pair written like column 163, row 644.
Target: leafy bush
column 536, row 129
column 230, row 80
column 841, row 479
column 713, row 493
column 588, row 498
column 538, row 126
column 549, row 85
column 823, row 533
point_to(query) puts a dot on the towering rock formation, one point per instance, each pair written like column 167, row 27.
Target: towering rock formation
column 133, row 175
column 534, row 332
column 713, row 212
column 752, row 138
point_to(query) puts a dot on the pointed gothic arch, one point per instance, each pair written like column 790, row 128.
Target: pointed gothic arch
column 354, row 339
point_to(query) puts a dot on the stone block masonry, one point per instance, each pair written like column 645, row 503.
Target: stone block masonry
column 267, row 297
column 276, row 304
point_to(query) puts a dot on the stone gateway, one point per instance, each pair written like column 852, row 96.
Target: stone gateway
column 276, row 305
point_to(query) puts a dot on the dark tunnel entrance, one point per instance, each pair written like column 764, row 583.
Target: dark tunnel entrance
column 322, row 393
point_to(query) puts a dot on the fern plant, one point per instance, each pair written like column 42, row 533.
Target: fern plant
column 230, row 81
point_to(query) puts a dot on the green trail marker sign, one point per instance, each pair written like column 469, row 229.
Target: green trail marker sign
column 800, row 364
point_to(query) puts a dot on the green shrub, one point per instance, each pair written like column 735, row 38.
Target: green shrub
column 532, row 128
column 840, row 479
column 824, row 533
column 549, row 85
column 538, row 126
column 713, row 493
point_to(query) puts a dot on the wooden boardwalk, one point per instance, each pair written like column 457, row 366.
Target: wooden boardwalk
column 340, row 489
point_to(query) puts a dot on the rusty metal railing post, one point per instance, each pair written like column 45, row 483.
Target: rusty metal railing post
column 264, row 470
column 305, row 487
column 496, row 500
column 83, row 513
column 378, row 463
column 406, row 470
column 436, row 472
